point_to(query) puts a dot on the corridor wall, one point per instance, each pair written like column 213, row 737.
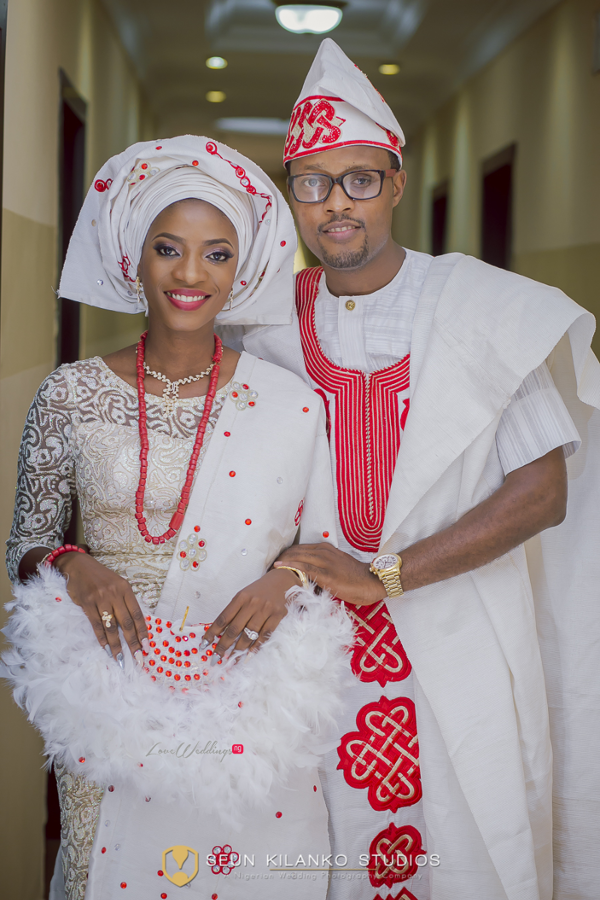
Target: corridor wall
column 541, row 94
column 44, row 36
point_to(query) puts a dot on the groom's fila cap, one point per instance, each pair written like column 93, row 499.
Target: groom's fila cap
column 337, row 107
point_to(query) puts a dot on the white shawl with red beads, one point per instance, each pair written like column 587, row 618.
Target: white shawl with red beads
column 492, row 709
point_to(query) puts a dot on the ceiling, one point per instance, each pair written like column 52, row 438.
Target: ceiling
column 438, row 44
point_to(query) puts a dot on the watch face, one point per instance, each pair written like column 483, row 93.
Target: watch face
column 387, row 561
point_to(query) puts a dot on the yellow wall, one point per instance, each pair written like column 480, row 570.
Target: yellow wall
column 539, row 93
column 42, row 37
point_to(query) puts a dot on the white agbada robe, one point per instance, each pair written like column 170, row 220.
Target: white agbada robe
column 486, row 758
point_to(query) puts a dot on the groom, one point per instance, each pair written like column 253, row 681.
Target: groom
column 448, row 444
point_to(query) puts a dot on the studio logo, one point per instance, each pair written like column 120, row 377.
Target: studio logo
column 181, row 855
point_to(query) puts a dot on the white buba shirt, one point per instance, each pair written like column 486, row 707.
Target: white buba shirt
column 369, row 333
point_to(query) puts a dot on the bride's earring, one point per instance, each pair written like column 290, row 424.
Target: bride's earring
column 138, row 289
column 230, row 299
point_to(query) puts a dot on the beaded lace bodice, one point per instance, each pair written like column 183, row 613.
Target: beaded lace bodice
column 81, row 435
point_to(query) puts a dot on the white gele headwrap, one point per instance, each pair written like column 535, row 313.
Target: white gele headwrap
column 131, row 189
column 337, row 107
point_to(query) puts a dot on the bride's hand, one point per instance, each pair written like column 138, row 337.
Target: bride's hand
column 98, row 590
column 260, row 607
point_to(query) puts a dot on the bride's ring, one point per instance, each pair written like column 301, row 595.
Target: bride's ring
column 106, row 617
column 253, row 635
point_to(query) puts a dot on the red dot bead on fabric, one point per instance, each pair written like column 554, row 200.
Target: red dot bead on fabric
column 159, row 629
column 195, row 564
column 278, row 815
column 144, row 165
column 159, row 621
column 159, row 148
column 248, row 521
column 251, row 403
column 168, row 673
column 104, row 849
column 197, row 677
column 245, row 386
column 325, row 534
column 160, row 872
column 232, row 474
column 159, row 669
column 243, row 283
column 234, row 393
column 123, row 884
column 192, row 634
column 194, row 162
column 111, row 788
column 283, row 243
column 58, row 599
column 188, row 677
column 201, row 543
column 227, row 434
column 196, row 528
column 305, row 409
column 314, row 787
column 163, row 895
column 215, row 897
column 82, row 759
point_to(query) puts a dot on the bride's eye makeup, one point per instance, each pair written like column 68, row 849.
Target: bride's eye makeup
column 166, row 250
column 220, row 255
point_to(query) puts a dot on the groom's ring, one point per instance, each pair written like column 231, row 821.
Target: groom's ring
column 106, row 617
column 253, row 635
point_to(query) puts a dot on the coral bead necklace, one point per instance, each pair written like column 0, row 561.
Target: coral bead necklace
column 177, row 519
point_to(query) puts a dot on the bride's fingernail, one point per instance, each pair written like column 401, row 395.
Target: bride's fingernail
column 120, row 659
column 146, row 645
column 203, row 644
column 215, row 659
column 139, row 657
column 108, row 650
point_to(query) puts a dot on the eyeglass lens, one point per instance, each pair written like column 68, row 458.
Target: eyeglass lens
column 311, row 188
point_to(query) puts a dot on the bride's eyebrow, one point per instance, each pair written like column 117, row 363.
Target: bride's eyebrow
column 219, row 241
column 174, row 237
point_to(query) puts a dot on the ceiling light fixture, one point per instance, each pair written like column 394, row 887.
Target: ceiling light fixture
column 215, row 96
column 306, row 16
column 216, row 62
column 254, row 125
column 389, row 69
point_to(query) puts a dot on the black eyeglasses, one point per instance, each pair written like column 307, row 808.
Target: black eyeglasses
column 363, row 185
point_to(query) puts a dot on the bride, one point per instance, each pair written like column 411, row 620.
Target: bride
column 195, row 466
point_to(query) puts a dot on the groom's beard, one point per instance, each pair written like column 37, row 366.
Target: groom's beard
column 342, row 258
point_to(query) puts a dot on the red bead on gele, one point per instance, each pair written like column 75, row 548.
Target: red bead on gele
column 123, row 884
column 197, row 677
column 159, row 148
column 160, row 872
column 227, row 434
column 111, row 788
column 82, row 759
column 214, row 897
column 196, row 528
column 192, row 634
column 325, row 534
column 201, row 543
column 163, row 896
column 305, row 409
column 104, row 850
column 234, row 393
column 314, row 787
column 245, row 386
column 278, row 815
column 144, row 165
column 243, row 283
column 232, row 474
column 195, row 564
column 159, row 669
column 194, row 162
column 283, row 243
column 159, row 621
column 251, row 403
column 248, row 521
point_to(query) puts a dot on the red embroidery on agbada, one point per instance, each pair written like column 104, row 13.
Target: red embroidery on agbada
column 382, row 755
column 367, row 425
column 404, row 894
column 392, row 855
column 378, row 653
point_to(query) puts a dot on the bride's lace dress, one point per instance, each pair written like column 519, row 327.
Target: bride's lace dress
column 81, row 436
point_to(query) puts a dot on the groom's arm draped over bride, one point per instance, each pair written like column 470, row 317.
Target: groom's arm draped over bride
column 462, row 405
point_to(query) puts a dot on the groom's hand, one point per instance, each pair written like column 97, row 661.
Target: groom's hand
column 336, row 571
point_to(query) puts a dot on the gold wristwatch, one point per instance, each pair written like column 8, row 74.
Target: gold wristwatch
column 387, row 568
